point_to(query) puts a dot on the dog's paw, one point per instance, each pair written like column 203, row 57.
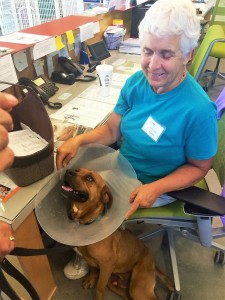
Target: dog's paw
column 89, row 282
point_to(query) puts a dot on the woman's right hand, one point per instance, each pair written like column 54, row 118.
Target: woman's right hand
column 106, row 134
column 66, row 152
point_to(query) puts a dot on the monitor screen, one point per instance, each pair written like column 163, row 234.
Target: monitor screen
column 99, row 51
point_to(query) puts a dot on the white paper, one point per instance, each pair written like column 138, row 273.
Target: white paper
column 86, row 32
column 43, row 48
column 93, row 93
column 64, row 96
column 23, row 38
column 119, row 79
column 25, row 142
column 49, row 60
column 83, row 112
column 20, row 60
column 96, row 27
column 7, row 71
column 39, row 66
column 64, row 50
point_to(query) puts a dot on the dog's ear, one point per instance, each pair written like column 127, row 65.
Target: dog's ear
column 106, row 196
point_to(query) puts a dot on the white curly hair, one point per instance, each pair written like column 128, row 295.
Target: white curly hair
column 173, row 17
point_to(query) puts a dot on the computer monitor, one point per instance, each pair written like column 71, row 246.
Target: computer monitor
column 99, row 51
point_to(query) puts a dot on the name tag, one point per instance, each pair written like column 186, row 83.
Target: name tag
column 153, row 129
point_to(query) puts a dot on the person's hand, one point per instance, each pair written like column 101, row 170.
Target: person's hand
column 66, row 152
column 6, row 240
column 143, row 196
column 7, row 101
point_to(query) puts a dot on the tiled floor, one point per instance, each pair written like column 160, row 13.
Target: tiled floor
column 200, row 277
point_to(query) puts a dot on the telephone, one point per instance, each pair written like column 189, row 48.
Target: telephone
column 70, row 67
column 43, row 87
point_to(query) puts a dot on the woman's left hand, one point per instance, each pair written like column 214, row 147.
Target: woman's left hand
column 6, row 240
column 143, row 196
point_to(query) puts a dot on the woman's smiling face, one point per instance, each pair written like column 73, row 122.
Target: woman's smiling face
column 162, row 62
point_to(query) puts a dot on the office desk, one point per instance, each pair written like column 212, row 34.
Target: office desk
column 19, row 209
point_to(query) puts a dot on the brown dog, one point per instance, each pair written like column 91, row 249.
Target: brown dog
column 121, row 261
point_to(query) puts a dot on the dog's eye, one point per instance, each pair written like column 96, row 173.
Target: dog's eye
column 89, row 178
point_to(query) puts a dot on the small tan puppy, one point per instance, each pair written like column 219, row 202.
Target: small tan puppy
column 121, row 261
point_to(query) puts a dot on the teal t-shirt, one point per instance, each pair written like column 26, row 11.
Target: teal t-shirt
column 161, row 131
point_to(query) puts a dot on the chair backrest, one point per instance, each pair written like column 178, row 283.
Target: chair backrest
column 218, row 14
column 219, row 159
column 214, row 34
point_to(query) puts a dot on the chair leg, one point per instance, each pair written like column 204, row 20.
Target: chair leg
column 151, row 234
column 221, row 76
column 212, row 75
column 171, row 238
column 173, row 258
column 215, row 73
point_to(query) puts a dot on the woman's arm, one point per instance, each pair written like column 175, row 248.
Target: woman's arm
column 106, row 134
column 185, row 176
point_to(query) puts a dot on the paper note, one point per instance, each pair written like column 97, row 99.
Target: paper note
column 20, row 60
column 25, row 142
column 7, row 71
column 86, row 31
column 43, row 48
column 59, row 43
column 83, row 112
column 70, row 37
column 96, row 27
column 93, row 93
column 23, row 38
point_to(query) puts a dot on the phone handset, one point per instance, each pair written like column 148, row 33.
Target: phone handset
column 27, row 82
column 70, row 66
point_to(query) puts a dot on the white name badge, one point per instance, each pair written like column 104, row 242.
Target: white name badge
column 153, row 129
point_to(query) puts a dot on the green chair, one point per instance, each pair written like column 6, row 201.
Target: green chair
column 218, row 15
column 218, row 50
column 174, row 222
column 214, row 35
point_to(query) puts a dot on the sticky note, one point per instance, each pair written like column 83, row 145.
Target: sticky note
column 70, row 37
column 59, row 43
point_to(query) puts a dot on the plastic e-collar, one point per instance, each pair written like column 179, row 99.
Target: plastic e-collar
column 50, row 205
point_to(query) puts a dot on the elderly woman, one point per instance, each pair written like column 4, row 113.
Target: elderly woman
column 166, row 121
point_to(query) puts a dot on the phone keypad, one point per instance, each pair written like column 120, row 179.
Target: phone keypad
column 49, row 88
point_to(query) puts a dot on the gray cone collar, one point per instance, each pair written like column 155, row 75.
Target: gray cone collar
column 50, row 206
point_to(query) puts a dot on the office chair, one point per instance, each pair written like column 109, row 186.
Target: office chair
column 218, row 50
column 175, row 222
column 214, row 35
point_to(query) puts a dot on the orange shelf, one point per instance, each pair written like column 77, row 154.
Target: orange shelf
column 53, row 28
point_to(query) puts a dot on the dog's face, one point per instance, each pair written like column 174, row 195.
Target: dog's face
column 87, row 194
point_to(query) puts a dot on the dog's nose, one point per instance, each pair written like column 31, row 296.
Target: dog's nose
column 80, row 196
column 70, row 173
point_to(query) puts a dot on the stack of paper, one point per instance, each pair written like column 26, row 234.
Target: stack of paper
column 89, row 109
column 131, row 46
column 83, row 112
